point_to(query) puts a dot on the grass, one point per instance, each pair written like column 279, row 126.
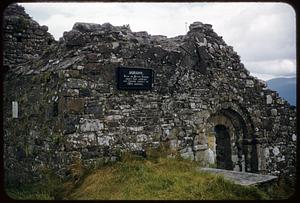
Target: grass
column 28, row 193
column 49, row 189
column 156, row 178
column 167, row 179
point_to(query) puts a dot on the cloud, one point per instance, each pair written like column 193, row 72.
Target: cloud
column 263, row 34
column 257, row 31
column 61, row 22
column 262, row 76
column 272, row 68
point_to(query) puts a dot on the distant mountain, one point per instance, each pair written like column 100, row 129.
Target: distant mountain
column 286, row 88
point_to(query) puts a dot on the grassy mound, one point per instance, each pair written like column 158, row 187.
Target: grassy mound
column 136, row 178
column 167, row 179
column 132, row 179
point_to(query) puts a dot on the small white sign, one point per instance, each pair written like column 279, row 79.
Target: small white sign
column 15, row 109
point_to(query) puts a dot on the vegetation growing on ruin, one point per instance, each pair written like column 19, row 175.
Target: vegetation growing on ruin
column 136, row 178
column 162, row 180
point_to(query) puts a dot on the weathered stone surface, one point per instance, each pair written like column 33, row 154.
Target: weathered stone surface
column 70, row 124
column 22, row 32
column 74, row 105
column 249, row 83
column 274, row 112
column 94, row 108
column 276, row 151
column 188, row 155
column 73, row 38
column 86, row 27
column 210, row 156
column 90, row 125
column 269, row 99
column 196, row 25
column 241, row 178
column 200, row 147
column 76, row 83
column 105, row 140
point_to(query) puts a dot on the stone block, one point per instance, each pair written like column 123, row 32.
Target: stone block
column 210, row 156
column 112, row 124
column 105, row 140
column 74, row 105
column 141, row 138
column 113, row 117
column 15, row 109
column 280, row 101
column 76, row 83
column 282, row 158
column 243, row 75
column 196, row 25
column 84, row 92
column 72, row 92
column 136, row 129
column 155, row 144
column 70, row 125
column 249, row 83
column 73, row 38
column 200, row 147
column 269, row 99
column 173, row 144
column 92, row 57
column 274, row 112
column 90, row 125
column 89, row 138
column 294, row 137
column 44, row 28
column 188, row 155
column 266, row 152
column 86, row 27
column 201, row 158
column 94, row 108
column 115, row 45
column 134, row 146
column 276, row 151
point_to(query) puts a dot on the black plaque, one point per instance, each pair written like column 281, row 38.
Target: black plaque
column 134, row 78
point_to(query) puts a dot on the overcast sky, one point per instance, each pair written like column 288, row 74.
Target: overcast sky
column 263, row 34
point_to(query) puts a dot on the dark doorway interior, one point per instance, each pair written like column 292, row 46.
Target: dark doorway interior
column 223, row 148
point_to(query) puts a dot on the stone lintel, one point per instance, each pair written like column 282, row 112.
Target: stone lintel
column 241, row 178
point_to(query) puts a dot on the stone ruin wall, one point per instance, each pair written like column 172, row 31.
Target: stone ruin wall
column 70, row 108
column 24, row 38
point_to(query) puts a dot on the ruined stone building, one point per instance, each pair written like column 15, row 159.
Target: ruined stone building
column 103, row 89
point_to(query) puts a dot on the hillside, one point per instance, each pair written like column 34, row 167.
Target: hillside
column 286, row 87
column 142, row 179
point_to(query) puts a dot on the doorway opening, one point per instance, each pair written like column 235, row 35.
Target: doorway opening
column 223, row 148
column 232, row 142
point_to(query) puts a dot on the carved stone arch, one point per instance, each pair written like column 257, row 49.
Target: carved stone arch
column 232, row 122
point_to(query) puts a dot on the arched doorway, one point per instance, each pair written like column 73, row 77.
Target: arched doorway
column 223, row 148
column 231, row 138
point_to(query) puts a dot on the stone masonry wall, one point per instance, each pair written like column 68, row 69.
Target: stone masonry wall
column 24, row 38
column 70, row 108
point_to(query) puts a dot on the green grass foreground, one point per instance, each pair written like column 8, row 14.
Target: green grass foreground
column 168, row 179
column 132, row 179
